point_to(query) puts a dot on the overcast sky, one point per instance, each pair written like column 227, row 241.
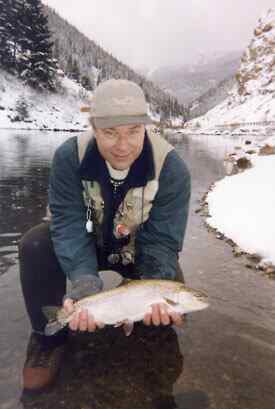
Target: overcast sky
column 164, row 32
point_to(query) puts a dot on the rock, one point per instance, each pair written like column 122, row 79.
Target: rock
column 249, row 266
column 237, row 251
column 205, row 212
column 244, row 163
column 247, row 142
column 267, row 150
column 254, row 257
column 230, row 242
column 250, row 152
column 267, row 27
column 264, row 265
column 258, row 32
column 270, row 270
column 230, row 167
column 219, row 236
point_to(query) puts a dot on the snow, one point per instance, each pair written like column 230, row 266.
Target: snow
column 253, row 99
column 242, row 208
column 51, row 111
column 45, row 110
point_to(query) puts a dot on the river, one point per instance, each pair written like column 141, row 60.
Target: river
column 223, row 358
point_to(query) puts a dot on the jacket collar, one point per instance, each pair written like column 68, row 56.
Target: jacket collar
column 93, row 166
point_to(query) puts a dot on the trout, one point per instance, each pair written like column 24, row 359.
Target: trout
column 129, row 303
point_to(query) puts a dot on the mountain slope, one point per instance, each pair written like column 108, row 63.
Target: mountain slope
column 189, row 82
column 211, row 98
column 22, row 107
column 253, row 97
column 71, row 46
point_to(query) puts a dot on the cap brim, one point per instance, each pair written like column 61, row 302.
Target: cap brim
column 110, row 122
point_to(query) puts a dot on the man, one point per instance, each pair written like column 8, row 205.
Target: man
column 119, row 200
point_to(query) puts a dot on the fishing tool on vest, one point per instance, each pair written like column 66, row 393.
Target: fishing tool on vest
column 127, row 258
column 89, row 218
column 121, row 231
column 113, row 258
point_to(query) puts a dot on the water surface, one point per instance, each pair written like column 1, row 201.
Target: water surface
column 224, row 357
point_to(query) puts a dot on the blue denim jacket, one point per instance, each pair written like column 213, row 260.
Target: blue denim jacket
column 160, row 238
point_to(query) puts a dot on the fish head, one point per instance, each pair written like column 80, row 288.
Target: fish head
column 192, row 300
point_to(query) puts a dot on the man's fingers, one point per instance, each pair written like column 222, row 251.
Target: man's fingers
column 74, row 323
column 147, row 318
column 176, row 318
column 69, row 305
column 83, row 320
column 100, row 325
column 164, row 316
column 155, row 315
column 91, row 323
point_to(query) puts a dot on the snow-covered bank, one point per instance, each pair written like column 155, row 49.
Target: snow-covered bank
column 241, row 207
column 22, row 107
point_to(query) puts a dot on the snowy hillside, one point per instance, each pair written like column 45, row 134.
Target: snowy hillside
column 22, row 107
column 189, row 82
column 81, row 58
column 253, row 98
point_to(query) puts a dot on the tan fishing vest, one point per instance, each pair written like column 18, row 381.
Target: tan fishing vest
column 136, row 206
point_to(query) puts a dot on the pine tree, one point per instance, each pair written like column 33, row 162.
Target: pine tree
column 5, row 50
column 86, row 82
column 75, row 72
column 56, row 50
column 69, row 66
column 15, row 30
column 38, row 67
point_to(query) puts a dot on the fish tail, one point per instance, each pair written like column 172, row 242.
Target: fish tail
column 54, row 325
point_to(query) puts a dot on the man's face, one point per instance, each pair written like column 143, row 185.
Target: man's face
column 120, row 145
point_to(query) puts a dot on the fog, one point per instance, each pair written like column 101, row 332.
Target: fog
column 154, row 33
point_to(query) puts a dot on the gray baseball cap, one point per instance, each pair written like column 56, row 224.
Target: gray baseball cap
column 118, row 102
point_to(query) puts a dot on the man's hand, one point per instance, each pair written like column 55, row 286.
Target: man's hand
column 81, row 321
column 160, row 316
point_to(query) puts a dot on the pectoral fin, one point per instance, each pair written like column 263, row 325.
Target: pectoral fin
column 119, row 324
column 128, row 327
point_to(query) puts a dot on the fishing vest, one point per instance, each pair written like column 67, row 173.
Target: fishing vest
column 134, row 209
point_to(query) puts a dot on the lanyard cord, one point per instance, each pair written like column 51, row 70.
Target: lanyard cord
column 142, row 206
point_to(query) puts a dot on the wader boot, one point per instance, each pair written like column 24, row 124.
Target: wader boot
column 42, row 364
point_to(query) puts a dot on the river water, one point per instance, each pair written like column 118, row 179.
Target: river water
column 223, row 358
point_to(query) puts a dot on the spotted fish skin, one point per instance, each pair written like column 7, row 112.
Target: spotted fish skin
column 130, row 302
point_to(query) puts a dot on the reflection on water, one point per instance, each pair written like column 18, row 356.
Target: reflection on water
column 24, row 173
column 109, row 370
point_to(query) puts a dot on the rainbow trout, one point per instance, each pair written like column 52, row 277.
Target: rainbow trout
column 129, row 303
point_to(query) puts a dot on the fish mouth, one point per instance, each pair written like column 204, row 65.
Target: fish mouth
column 202, row 296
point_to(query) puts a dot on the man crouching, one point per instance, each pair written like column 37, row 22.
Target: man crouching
column 119, row 200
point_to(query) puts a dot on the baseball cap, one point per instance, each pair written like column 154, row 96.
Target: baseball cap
column 119, row 102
